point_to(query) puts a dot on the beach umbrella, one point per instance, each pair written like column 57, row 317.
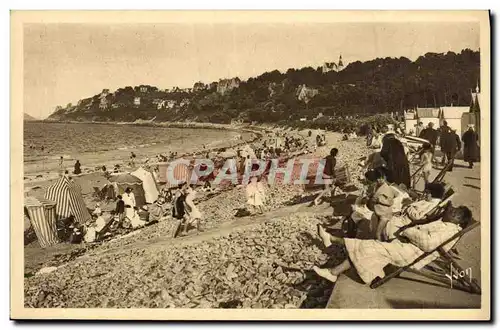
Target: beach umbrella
column 127, row 180
column 42, row 215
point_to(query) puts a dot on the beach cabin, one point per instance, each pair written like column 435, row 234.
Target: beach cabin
column 424, row 115
column 453, row 116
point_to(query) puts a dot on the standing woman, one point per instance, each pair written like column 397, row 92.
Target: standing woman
column 471, row 146
column 78, row 168
column 393, row 153
column 328, row 175
column 193, row 214
column 255, row 192
column 129, row 201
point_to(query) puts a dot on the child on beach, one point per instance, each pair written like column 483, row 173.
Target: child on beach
column 120, row 208
column 61, row 166
column 426, row 161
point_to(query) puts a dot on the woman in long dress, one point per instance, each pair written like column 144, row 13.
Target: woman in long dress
column 193, row 214
column 393, row 153
column 471, row 147
column 255, row 192
column 129, row 200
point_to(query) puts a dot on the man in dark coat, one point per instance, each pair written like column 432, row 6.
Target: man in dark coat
column 453, row 146
column 471, row 147
column 431, row 135
column 394, row 155
column 445, row 141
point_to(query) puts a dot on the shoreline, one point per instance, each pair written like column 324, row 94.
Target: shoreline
column 100, row 158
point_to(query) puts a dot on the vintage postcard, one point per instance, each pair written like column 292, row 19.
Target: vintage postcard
column 259, row 165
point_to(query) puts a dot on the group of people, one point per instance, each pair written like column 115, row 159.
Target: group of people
column 450, row 143
column 184, row 209
column 394, row 236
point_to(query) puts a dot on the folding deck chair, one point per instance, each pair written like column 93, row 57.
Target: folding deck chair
column 439, row 177
column 446, row 262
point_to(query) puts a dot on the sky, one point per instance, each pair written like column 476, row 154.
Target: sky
column 64, row 63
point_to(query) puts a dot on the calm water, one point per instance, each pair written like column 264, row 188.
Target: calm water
column 60, row 138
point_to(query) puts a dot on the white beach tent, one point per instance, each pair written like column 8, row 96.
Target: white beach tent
column 148, row 184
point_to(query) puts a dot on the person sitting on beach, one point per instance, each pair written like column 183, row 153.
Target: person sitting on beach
column 369, row 257
column 99, row 222
column 416, row 212
column 97, row 209
column 379, row 200
column 207, row 186
column 77, row 169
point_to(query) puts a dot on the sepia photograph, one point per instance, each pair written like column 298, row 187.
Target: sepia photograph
column 250, row 165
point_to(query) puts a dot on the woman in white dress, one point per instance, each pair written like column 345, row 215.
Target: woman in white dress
column 130, row 209
column 193, row 214
column 129, row 200
column 255, row 192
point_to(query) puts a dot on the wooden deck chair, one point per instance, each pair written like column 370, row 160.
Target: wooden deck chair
column 97, row 193
column 414, row 179
column 439, row 177
column 439, row 273
column 437, row 269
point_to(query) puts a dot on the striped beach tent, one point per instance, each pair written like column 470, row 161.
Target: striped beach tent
column 181, row 173
column 67, row 194
column 42, row 215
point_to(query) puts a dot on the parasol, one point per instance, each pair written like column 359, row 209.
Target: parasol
column 125, row 179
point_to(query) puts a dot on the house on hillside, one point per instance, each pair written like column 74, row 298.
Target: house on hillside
column 226, row 85
column 320, row 115
column 103, row 99
column 143, row 89
column 332, row 66
column 137, row 101
column 170, row 104
column 305, row 93
column 199, row 86
column 184, row 102
column 160, row 104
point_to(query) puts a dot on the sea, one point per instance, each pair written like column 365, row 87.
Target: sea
column 57, row 139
